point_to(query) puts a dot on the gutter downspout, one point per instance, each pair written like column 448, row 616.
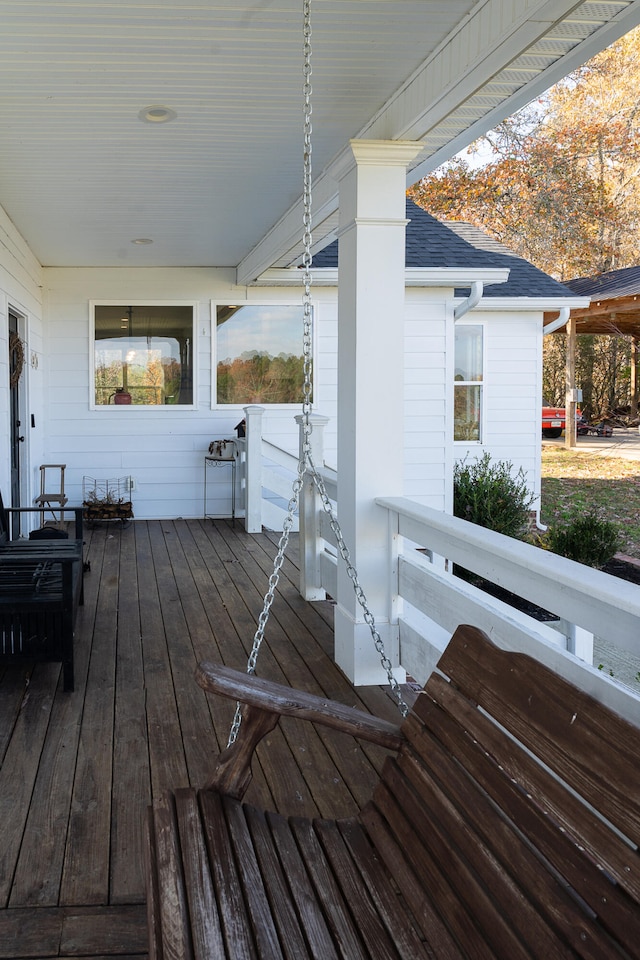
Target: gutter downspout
column 559, row 322
column 556, row 324
column 472, row 300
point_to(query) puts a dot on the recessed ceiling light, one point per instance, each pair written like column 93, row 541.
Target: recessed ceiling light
column 141, row 240
column 157, row 114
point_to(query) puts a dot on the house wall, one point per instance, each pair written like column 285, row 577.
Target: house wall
column 511, row 394
column 163, row 449
column 428, row 456
column 21, row 291
column 512, row 391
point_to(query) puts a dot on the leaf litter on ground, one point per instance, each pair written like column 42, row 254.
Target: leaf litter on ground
column 579, row 480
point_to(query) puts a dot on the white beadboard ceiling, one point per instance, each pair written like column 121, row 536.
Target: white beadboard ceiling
column 82, row 176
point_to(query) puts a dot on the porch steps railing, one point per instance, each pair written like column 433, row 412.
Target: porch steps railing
column 266, row 473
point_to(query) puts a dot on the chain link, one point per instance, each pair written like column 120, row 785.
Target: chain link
column 305, row 463
column 352, row 573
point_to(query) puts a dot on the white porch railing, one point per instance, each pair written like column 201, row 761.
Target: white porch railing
column 431, row 601
column 266, row 475
column 428, row 602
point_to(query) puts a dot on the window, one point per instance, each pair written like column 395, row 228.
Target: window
column 259, row 354
column 143, row 354
column 468, row 377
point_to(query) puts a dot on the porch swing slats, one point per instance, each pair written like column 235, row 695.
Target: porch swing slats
column 488, row 836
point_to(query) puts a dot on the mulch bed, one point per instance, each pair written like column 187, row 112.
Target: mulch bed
column 618, row 567
column 623, row 569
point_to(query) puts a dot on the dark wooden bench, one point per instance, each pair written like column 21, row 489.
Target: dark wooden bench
column 505, row 827
column 41, row 587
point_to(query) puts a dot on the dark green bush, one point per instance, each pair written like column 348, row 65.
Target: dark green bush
column 586, row 537
column 492, row 496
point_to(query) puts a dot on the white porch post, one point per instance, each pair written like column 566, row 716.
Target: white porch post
column 310, row 543
column 372, row 180
column 253, row 469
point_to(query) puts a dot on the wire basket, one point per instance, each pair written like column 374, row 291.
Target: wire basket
column 107, row 499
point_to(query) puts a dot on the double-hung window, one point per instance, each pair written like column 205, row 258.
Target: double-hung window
column 468, row 381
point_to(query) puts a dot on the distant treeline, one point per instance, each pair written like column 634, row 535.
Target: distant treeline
column 260, row 378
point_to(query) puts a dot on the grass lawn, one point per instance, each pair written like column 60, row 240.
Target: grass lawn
column 575, row 479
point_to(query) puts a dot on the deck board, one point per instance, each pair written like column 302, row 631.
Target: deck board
column 77, row 770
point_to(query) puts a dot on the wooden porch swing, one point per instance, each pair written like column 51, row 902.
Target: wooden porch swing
column 505, row 826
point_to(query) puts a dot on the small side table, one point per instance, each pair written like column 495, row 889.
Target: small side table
column 217, row 462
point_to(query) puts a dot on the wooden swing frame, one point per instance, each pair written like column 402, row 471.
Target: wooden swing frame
column 506, row 826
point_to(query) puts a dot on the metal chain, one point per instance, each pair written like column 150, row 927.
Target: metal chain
column 307, row 367
column 305, row 462
column 352, row 573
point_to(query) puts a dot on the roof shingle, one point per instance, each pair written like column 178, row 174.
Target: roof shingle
column 433, row 243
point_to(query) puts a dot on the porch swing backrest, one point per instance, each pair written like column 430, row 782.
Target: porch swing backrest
column 506, row 826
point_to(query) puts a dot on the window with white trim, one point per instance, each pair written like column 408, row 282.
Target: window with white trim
column 258, row 353
column 143, row 354
column 468, row 381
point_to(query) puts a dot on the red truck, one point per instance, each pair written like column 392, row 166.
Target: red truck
column 553, row 421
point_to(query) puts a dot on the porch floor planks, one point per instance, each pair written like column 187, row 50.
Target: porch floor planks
column 18, row 776
column 131, row 791
column 73, row 932
column 78, row 769
column 85, row 876
column 167, row 762
column 37, row 875
column 315, row 649
column 288, row 667
column 277, row 753
column 219, row 632
column 314, row 666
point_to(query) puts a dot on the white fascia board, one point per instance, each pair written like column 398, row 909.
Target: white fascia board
column 454, row 276
column 415, row 277
column 293, row 277
column 502, row 304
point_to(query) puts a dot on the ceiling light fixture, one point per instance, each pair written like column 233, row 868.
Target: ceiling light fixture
column 156, row 113
column 142, row 240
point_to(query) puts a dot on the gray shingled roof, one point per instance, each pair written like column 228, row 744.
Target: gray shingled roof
column 432, row 243
column 607, row 286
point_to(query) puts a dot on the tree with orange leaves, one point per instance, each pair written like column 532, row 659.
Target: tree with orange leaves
column 562, row 186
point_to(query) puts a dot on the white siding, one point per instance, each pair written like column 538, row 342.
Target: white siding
column 20, row 290
column 425, row 398
column 163, row 449
column 512, row 396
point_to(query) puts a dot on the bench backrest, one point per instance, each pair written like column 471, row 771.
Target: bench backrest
column 510, row 817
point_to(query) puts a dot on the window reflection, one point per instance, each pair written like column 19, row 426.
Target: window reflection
column 259, row 353
column 143, row 355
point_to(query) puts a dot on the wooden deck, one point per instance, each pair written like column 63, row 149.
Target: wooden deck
column 78, row 769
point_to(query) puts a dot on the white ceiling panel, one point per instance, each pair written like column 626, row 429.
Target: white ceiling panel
column 82, row 176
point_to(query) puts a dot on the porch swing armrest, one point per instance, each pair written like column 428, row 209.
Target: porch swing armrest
column 284, row 701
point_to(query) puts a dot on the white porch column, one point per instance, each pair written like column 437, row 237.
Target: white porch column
column 372, row 180
column 253, row 469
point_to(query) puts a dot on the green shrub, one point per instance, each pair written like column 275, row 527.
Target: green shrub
column 586, row 537
column 490, row 495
